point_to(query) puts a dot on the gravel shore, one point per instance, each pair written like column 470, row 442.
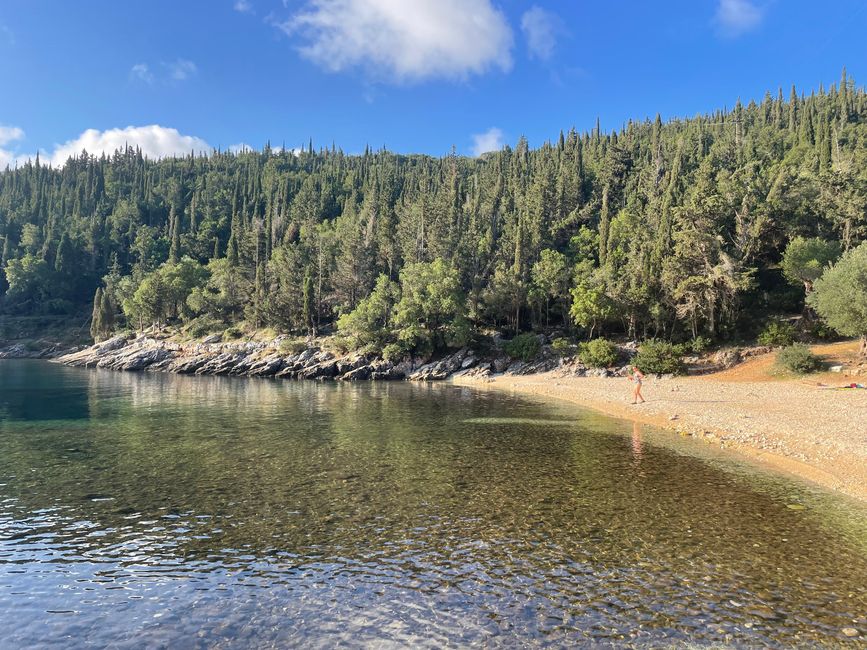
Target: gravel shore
column 798, row 427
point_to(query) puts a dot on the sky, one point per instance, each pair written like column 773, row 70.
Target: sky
column 413, row 76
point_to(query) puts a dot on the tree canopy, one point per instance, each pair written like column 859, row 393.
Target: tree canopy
column 840, row 295
column 657, row 229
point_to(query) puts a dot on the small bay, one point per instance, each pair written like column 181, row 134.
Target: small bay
column 148, row 510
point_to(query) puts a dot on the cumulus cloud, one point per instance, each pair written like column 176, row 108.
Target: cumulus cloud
column 142, row 72
column 490, row 140
column 243, row 6
column 8, row 135
column 540, row 28
column 155, row 141
column 736, row 17
column 403, row 40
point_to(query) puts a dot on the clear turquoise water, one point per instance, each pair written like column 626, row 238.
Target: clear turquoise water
column 141, row 510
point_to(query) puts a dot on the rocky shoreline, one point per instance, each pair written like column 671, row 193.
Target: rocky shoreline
column 801, row 434
column 266, row 359
column 270, row 359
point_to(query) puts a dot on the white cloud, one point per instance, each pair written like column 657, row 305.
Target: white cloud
column 10, row 134
column 178, row 70
column 243, row 6
column 154, row 141
column 181, row 69
column 241, row 147
column 540, row 28
column 736, row 17
column 142, row 72
column 490, row 140
column 404, row 40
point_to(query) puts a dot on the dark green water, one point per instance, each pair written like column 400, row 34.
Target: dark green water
column 165, row 511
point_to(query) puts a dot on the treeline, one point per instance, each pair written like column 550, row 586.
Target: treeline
column 672, row 230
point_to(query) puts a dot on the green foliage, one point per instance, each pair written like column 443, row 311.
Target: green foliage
column 202, row 325
column 591, row 306
column 598, row 353
column 223, row 295
column 777, row 334
column 562, row 347
column 29, row 281
column 232, row 333
column 102, row 317
column 525, row 347
column 797, row 358
column 699, row 344
column 804, row 260
column 584, row 245
column 659, row 357
column 162, row 294
column 661, row 226
column 820, row 330
column 395, row 352
column 550, row 277
column 289, row 347
column 840, row 294
column 430, row 312
column 368, row 323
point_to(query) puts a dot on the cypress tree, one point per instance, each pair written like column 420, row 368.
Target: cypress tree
column 96, row 325
column 107, row 315
column 63, row 258
column 307, row 305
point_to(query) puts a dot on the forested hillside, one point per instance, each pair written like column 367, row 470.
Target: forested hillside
column 669, row 230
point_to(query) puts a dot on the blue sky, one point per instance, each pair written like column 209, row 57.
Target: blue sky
column 411, row 75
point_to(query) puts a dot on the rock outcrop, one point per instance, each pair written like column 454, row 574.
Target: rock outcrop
column 212, row 356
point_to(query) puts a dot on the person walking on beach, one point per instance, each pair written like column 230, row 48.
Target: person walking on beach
column 636, row 376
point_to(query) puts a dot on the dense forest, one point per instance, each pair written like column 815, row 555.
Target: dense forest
column 671, row 230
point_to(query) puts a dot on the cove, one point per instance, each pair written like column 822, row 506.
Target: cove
column 162, row 510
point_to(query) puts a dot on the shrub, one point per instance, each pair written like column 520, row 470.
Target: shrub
column 777, row 334
column 797, row 358
column 395, row 352
column 598, row 353
column 482, row 344
column 337, row 344
column 819, row 330
column 659, row 357
column 233, row 332
column 562, row 347
column 292, row 346
column 203, row 325
column 57, row 306
column 524, row 347
column 699, row 344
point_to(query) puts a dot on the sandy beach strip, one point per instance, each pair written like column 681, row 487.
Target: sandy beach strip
column 793, row 426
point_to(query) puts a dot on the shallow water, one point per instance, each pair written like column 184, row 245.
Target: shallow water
column 142, row 510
